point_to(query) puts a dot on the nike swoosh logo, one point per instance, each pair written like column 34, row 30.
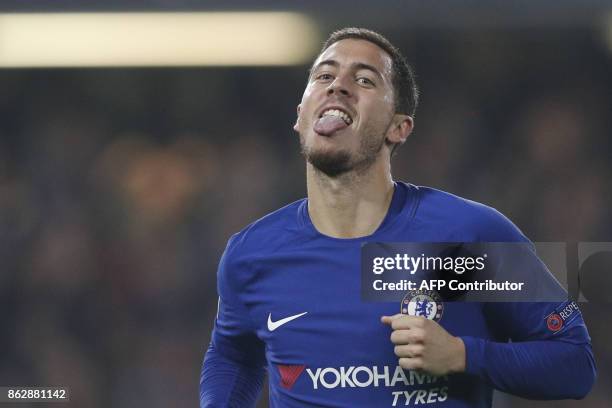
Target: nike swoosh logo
column 275, row 325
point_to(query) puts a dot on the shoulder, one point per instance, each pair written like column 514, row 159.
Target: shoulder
column 255, row 242
column 266, row 233
column 472, row 219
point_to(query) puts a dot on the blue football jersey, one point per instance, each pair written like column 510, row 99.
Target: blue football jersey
column 290, row 301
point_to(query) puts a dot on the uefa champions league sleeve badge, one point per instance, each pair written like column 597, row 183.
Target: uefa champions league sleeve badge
column 425, row 303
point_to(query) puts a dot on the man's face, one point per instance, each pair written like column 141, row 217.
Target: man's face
column 347, row 107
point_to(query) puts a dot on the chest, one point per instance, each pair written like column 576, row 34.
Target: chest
column 308, row 308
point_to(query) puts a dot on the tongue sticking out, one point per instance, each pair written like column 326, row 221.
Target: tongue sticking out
column 328, row 125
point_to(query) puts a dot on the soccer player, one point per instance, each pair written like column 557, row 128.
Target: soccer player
column 289, row 284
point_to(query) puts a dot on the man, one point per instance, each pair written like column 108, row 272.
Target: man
column 289, row 284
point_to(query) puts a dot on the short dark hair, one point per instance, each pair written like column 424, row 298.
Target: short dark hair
column 404, row 84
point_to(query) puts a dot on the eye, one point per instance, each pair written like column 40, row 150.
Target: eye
column 365, row 81
column 324, row 76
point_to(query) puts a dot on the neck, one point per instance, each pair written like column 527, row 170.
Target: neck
column 351, row 205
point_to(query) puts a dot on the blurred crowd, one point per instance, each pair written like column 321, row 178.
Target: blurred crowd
column 119, row 189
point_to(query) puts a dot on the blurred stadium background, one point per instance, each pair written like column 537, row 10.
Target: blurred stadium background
column 121, row 182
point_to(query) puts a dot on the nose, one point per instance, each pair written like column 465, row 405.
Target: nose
column 338, row 86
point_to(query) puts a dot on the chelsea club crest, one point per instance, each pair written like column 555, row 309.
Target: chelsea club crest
column 426, row 303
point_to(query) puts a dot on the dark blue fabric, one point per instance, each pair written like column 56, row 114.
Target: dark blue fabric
column 281, row 266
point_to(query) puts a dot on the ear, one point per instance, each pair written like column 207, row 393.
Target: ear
column 400, row 129
column 295, row 126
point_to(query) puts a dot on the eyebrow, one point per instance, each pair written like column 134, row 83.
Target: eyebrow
column 354, row 65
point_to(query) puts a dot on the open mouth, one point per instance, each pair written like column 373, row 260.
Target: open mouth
column 337, row 113
column 332, row 120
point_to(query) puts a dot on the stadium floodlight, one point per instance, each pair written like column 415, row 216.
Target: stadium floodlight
column 156, row 39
